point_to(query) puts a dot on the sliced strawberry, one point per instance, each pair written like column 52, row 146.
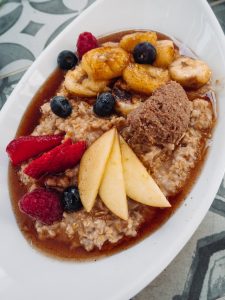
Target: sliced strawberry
column 25, row 147
column 57, row 160
column 42, row 205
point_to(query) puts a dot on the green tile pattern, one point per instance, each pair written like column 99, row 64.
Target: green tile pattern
column 219, row 11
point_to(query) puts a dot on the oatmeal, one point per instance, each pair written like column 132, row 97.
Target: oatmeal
column 82, row 123
column 134, row 129
column 94, row 229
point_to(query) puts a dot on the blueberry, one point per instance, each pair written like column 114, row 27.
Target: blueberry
column 60, row 106
column 144, row 53
column 71, row 199
column 104, row 105
column 66, row 60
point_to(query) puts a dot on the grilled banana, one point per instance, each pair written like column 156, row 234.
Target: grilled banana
column 110, row 44
column 129, row 41
column 126, row 102
column 78, row 83
column 165, row 53
column 124, row 108
column 145, row 78
column 189, row 72
column 105, row 62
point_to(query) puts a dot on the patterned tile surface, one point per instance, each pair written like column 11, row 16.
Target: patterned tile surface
column 28, row 26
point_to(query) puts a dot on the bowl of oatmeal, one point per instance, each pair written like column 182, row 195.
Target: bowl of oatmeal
column 112, row 153
column 138, row 86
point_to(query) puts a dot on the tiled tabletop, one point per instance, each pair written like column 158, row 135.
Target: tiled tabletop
column 28, row 26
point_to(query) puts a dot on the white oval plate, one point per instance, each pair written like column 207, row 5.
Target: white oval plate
column 27, row 274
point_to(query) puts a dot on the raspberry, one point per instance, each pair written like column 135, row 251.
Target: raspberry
column 57, row 160
column 42, row 205
column 26, row 147
column 86, row 41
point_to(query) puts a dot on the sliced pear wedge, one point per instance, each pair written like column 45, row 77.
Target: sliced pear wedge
column 139, row 185
column 112, row 188
column 92, row 167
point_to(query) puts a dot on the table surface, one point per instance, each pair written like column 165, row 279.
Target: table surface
column 28, row 26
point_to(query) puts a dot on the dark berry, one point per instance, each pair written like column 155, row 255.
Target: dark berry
column 60, row 106
column 144, row 53
column 66, row 60
column 71, row 199
column 104, row 105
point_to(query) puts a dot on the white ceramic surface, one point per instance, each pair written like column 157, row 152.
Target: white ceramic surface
column 27, row 274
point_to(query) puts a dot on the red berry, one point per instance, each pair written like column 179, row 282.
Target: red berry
column 26, row 147
column 42, row 205
column 57, row 160
column 86, row 41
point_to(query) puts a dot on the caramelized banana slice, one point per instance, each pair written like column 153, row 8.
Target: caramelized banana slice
column 110, row 44
column 189, row 72
column 78, row 83
column 126, row 102
column 105, row 62
column 124, row 108
column 145, row 78
column 129, row 41
column 165, row 53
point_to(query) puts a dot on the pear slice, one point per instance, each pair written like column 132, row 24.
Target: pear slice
column 92, row 167
column 112, row 188
column 139, row 185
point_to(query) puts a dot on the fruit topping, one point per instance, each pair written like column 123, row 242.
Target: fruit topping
column 66, row 60
column 25, row 147
column 42, row 205
column 92, row 167
column 144, row 53
column 145, row 78
column 64, row 156
column 86, row 41
column 129, row 41
column 60, row 106
column 165, row 53
column 78, row 83
column 112, row 189
column 105, row 63
column 139, row 185
column 71, row 199
column 110, row 167
column 190, row 72
column 104, row 105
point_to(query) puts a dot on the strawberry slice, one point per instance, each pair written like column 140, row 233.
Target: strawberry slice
column 25, row 147
column 57, row 160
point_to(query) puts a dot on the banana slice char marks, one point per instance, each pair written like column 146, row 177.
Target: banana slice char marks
column 105, row 63
column 145, row 78
column 129, row 41
column 189, row 72
column 78, row 83
column 165, row 53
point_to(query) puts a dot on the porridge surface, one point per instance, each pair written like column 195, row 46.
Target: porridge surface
column 170, row 166
column 167, row 129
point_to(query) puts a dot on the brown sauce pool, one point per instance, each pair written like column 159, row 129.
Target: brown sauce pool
column 61, row 249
